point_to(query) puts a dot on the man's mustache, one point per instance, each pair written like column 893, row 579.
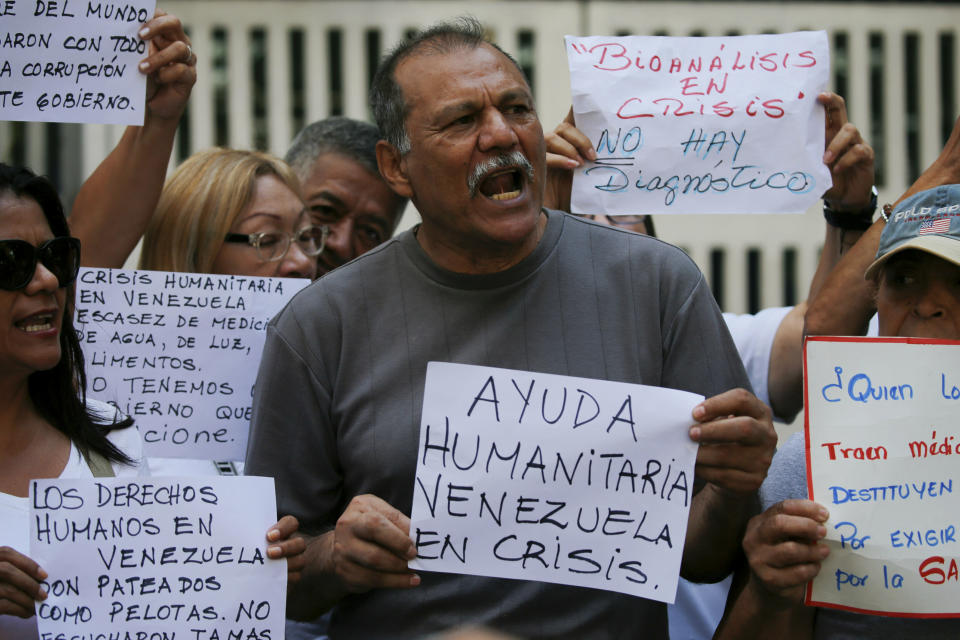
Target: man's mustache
column 514, row 159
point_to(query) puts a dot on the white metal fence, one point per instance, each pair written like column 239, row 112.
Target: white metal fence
column 267, row 68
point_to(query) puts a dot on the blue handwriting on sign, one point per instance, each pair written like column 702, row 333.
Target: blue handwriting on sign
column 850, row 537
column 861, row 388
column 918, row 538
column 850, row 579
column 894, row 581
column 628, row 142
column 892, row 492
column 953, row 393
column 747, row 176
column 702, row 146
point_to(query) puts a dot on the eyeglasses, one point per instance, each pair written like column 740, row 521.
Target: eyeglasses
column 272, row 246
column 18, row 261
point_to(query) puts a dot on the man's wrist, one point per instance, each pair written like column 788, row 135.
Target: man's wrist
column 851, row 220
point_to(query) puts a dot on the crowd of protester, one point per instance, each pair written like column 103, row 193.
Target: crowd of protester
column 499, row 272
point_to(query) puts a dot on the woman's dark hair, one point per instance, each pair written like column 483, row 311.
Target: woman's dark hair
column 59, row 394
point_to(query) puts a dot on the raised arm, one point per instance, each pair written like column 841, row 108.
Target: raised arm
column 845, row 302
column 567, row 149
column 850, row 201
column 114, row 205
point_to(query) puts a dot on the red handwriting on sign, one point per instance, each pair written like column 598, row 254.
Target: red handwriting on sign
column 634, row 108
column 931, row 570
column 944, row 447
column 835, row 451
column 689, row 86
column 613, row 56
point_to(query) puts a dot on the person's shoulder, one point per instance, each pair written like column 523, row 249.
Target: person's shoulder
column 604, row 238
column 367, row 263
column 344, row 279
column 755, row 329
column 323, row 305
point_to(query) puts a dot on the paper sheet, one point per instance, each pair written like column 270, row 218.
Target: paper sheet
column 883, row 441
column 178, row 352
column 553, row 478
column 178, row 557
column 700, row 125
column 73, row 61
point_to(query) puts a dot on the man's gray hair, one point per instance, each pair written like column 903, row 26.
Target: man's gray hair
column 386, row 97
column 353, row 139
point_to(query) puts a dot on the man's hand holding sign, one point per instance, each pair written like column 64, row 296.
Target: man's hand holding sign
column 482, row 504
column 737, row 441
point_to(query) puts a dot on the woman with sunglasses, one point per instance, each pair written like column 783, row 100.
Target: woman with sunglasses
column 47, row 430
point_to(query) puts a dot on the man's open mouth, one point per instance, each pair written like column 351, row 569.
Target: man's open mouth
column 502, row 177
column 504, row 185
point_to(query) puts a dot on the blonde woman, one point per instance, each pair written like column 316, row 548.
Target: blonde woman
column 233, row 212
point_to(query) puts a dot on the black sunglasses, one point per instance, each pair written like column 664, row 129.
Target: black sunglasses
column 18, row 261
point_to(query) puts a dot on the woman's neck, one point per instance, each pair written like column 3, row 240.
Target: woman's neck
column 30, row 447
column 17, row 408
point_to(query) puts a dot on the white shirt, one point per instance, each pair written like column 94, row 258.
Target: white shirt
column 15, row 511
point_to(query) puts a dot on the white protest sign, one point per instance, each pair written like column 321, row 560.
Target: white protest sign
column 700, row 125
column 883, row 443
column 553, row 478
column 175, row 557
column 178, row 352
column 73, row 60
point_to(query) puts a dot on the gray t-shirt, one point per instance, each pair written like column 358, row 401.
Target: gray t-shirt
column 787, row 478
column 338, row 397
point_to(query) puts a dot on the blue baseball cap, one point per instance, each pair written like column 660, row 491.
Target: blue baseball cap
column 927, row 221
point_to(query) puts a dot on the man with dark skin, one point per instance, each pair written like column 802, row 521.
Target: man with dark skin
column 464, row 143
column 916, row 277
column 336, row 161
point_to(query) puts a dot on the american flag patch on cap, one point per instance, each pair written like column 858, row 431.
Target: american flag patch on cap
column 941, row 225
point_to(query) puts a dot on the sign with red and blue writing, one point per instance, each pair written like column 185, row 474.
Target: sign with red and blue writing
column 883, row 456
column 700, row 125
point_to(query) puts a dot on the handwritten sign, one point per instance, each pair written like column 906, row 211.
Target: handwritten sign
column 700, row 125
column 73, row 60
column 178, row 352
column 173, row 557
column 883, row 445
column 553, row 478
